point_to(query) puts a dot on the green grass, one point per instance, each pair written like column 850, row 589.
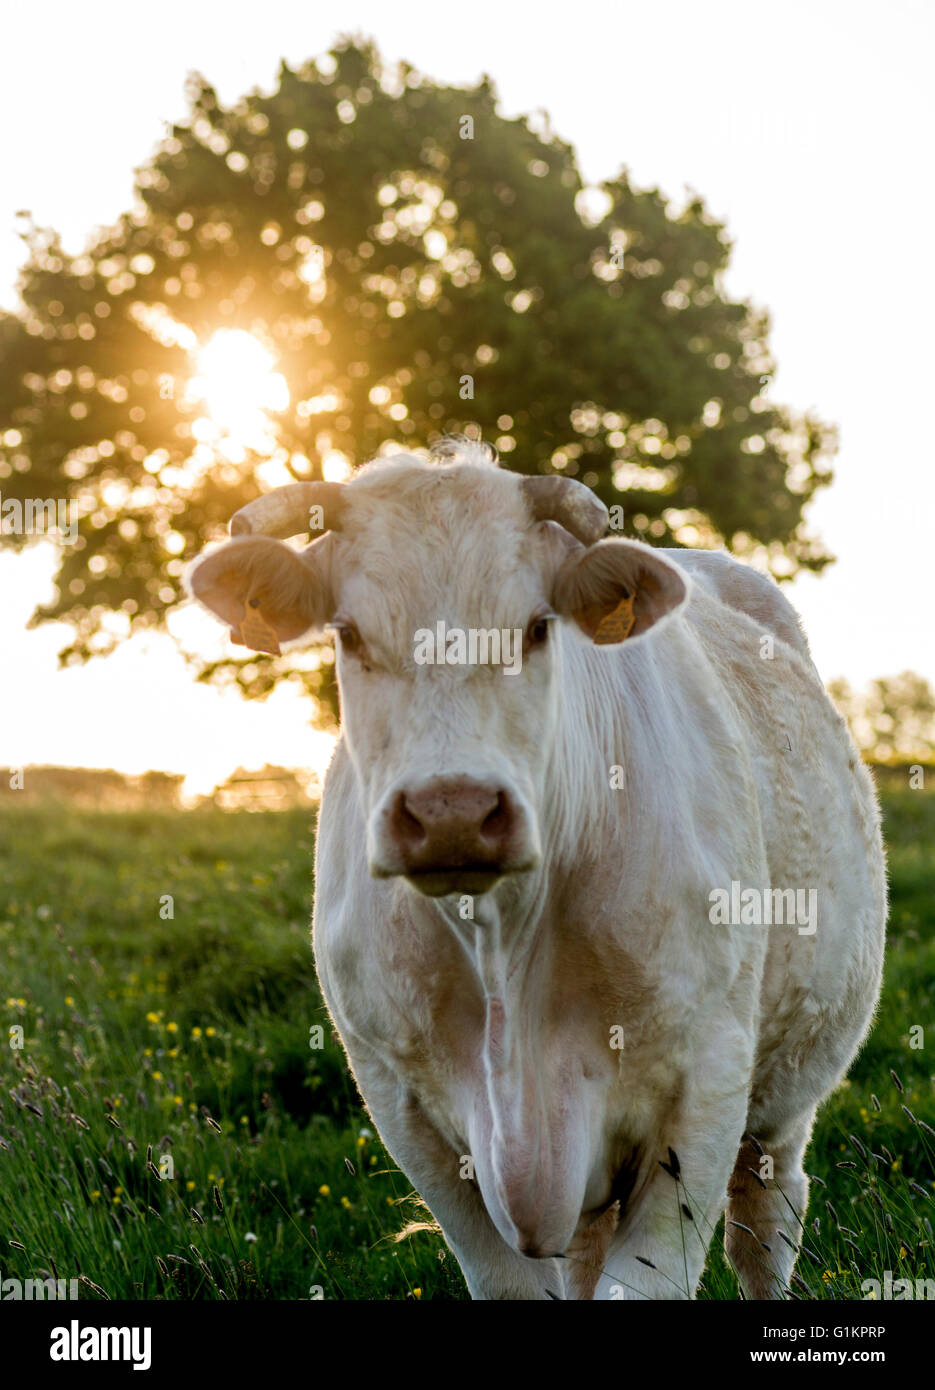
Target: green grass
column 189, row 1036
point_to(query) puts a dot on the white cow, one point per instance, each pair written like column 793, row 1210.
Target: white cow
column 573, row 1056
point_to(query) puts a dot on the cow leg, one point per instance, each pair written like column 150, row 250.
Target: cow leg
column 660, row 1246
column 765, row 1210
column 661, row 1251
column 492, row 1269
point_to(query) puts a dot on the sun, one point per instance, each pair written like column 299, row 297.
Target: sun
column 239, row 388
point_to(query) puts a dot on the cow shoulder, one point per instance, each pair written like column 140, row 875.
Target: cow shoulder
column 746, row 590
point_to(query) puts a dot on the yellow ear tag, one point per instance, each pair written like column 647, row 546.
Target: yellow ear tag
column 255, row 632
column 617, row 625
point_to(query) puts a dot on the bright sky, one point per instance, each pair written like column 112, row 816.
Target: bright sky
column 807, row 127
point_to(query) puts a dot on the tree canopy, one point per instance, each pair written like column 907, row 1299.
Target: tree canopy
column 893, row 720
column 407, row 263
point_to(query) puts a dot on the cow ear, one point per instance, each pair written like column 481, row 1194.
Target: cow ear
column 618, row 589
column 264, row 590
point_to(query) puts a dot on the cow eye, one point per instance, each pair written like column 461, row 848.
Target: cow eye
column 537, row 633
column 350, row 637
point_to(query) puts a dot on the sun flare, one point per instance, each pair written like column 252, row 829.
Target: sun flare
column 239, row 388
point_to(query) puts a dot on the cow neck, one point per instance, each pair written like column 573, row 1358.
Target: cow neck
column 500, row 938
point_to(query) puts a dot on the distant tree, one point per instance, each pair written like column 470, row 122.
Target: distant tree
column 893, row 720
column 414, row 264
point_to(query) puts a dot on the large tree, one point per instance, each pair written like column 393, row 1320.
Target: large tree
column 414, row 264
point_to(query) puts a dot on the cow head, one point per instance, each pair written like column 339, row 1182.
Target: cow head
column 451, row 588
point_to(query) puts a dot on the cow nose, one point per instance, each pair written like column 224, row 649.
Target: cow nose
column 453, row 823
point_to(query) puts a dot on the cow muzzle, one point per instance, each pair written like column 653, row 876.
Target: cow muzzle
column 453, row 835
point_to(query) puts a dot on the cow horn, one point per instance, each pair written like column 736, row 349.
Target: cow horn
column 570, row 503
column 285, row 511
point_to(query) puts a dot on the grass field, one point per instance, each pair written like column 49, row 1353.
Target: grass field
column 173, row 1037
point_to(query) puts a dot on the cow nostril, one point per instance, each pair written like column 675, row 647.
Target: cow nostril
column 407, row 826
column 497, row 823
